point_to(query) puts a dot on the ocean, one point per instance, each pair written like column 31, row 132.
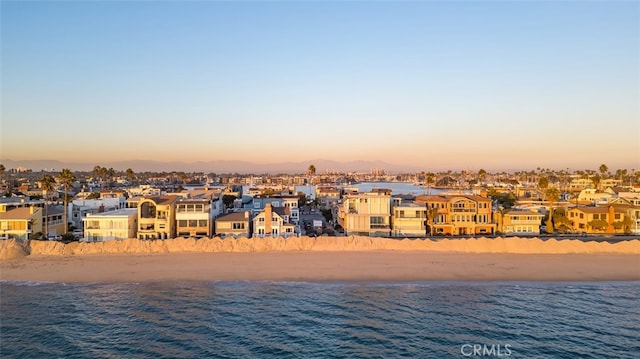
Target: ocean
column 320, row 320
column 395, row 187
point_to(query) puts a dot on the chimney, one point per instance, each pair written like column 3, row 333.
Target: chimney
column 31, row 210
column 267, row 219
column 246, row 214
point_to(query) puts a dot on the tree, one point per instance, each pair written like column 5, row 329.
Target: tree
column 553, row 195
column 481, row 175
column 502, row 211
column 312, row 170
column 432, row 213
column 66, row 178
column 603, row 170
column 543, row 184
column 130, row 174
column 1, row 169
column 47, row 182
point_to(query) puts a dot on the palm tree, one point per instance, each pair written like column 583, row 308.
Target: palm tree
column 66, row 178
column 431, row 218
column 553, row 194
column 543, row 184
column 47, row 183
column 603, row 170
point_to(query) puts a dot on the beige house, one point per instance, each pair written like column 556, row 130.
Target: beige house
column 328, row 197
column 233, row 225
column 597, row 219
column 157, row 217
column 271, row 222
column 409, row 220
column 459, row 214
column 193, row 218
column 520, row 222
column 110, row 225
column 19, row 223
column 367, row 213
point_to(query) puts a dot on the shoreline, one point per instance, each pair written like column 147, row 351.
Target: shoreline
column 323, row 266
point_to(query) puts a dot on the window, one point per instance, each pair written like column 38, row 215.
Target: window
column 202, row 223
column 617, row 216
column 238, row 225
column 401, row 215
column 182, row 223
column 193, row 223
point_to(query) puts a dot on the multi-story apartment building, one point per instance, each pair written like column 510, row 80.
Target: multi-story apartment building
column 157, row 217
column 234, row 225
column 272, row 221
column 19, row 223
column 520, row 222
column 409, row 219
column 367, row 213
column 110, row 225
column 459, row 214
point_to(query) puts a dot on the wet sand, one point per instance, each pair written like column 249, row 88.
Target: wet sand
column 312, row 266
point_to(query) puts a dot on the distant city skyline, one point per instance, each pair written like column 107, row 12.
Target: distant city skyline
column 433, row 85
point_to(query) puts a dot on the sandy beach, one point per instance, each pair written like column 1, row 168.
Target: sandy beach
column 324, row 266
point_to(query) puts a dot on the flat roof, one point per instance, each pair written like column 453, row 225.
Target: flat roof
column 115, row 212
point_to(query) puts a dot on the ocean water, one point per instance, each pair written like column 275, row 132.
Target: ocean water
column 320, row 320
column 396, row 188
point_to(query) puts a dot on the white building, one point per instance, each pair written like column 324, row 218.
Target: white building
column 116, row 224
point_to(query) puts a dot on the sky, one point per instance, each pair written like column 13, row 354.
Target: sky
column 457, row 84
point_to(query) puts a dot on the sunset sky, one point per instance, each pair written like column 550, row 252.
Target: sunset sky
column 433, row 84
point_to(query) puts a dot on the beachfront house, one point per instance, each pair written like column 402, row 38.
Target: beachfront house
column 272, row 221
column 157, row 217
column 520, row 222
column 194, row 217
column 195, row 210
column 115, row 224
column 459, row 214
column 20, row 223
column 602, row 219
column 409, row 219
column 366, row 213
column 235, row 224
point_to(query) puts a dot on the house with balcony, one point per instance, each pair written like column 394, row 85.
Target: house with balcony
column 235, row 224
column 196, row 210
column 19, row 223
column 520, row 222
column 409, row 219
column 194, row 218
column 157, row 217
column 459, row 214
column 366, row 213
column 111, row 225
column 53, row 220
column 272, row 221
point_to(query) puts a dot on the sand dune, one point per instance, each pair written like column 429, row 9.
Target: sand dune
column 11, row 249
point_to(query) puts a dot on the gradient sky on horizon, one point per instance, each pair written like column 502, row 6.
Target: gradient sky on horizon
column 435, row 84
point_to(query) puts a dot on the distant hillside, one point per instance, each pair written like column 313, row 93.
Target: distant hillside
column 218, row 166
